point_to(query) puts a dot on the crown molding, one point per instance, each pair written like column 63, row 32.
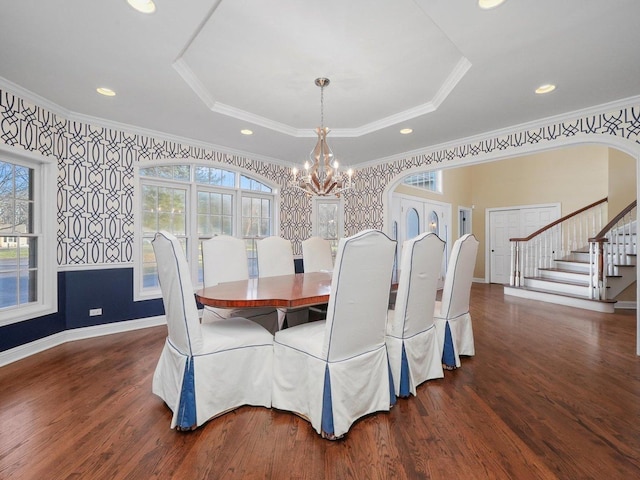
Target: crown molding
column 533, row 125
column 110, row 124
column 192, row 80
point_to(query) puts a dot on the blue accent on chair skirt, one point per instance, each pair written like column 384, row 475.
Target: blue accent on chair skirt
column 392, row 390
column 187, row 408
column 448, row 352
column 404, row 374
column 327, row 404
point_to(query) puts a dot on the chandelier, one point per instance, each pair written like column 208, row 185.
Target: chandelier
column 322, row 177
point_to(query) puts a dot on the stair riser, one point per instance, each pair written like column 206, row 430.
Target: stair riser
column 615, row 285
column 584, row 257
column 622, row 260
column 557, row 299
column 565, row 276
column 573, row 266
column 558, row 287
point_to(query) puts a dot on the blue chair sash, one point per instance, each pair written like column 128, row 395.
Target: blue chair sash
column 187, row 408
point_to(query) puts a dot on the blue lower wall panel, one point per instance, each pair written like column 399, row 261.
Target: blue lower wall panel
column 78, row 292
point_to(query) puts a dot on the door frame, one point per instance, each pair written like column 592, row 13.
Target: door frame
column 447, row 237
column 468, row 211
column 487, row 230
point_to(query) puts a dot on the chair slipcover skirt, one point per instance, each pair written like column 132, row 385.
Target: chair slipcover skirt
column 454, row 332
column 422, row 352
column 199, row 387
column 345, row 395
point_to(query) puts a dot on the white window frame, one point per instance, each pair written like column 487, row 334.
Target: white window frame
column 44, row 225
column 192, row 238
column 314, row 215
column 437, row 176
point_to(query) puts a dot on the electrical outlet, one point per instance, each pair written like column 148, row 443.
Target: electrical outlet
column 94, row 312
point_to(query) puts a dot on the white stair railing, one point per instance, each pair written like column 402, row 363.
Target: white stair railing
column 610, row 248
column 556, row 240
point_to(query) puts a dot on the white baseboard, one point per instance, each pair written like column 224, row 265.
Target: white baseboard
column 37, row 346
column 626, row 305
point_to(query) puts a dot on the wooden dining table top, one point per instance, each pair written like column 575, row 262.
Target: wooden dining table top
column 296, row 290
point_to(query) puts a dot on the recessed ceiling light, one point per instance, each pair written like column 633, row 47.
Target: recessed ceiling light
column 406, row 131
column 546, row 88
column 488, row 4
column 107, row 92
column 144, row 6
column 246, row 131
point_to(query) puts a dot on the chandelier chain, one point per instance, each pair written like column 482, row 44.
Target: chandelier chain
column 322, row 105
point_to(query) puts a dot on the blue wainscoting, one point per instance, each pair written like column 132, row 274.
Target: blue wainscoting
column 78, row 292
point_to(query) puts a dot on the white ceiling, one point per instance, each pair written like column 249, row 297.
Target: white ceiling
column 205, row 69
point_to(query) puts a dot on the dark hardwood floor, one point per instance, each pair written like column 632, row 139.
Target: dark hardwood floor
column 553, row 392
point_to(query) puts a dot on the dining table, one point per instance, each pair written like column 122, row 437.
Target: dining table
column 286, row 291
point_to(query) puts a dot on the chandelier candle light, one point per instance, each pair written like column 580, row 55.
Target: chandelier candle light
column 326, row 180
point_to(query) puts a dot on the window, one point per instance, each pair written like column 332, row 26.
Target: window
column 431, row 181
column 194, row 203
column 27, row 236
column 327, row 220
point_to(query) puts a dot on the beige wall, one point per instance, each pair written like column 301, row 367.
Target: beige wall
column 457, row 188
column 572, row 177
column 622, row 181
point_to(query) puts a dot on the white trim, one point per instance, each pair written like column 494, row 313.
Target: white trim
column 132, row 129
column 461, row 209
column 621, row 143
column 191, row 187
column 487, row 229
column 45, row 189
column 93, row 266
column 37, row 346
column 191, row 79
column 626, row 305
column 314, row 214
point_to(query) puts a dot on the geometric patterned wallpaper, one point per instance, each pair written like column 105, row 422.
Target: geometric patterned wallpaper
column 96, row 165
column 365, row 210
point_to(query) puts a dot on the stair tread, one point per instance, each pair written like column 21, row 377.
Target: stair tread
column 569, row 295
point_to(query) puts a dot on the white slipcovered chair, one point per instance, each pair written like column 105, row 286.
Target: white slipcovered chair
column 453, row 320
column 412, row 341
column 205, row 370
column 334, row 371
column 275, row 257
column 316, row 255
column 225, row 260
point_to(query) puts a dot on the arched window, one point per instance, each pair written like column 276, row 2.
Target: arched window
column 194, row 203
column 413, row 223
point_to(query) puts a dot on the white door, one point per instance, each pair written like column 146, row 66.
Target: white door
column 503, row 225
column 413, row 216
column 412, row 220
column 509, row 223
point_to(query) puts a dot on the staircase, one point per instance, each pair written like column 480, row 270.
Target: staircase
column 590, row 276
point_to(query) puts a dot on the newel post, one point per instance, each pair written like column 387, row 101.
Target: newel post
column 597, row 267
column 514, row 275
